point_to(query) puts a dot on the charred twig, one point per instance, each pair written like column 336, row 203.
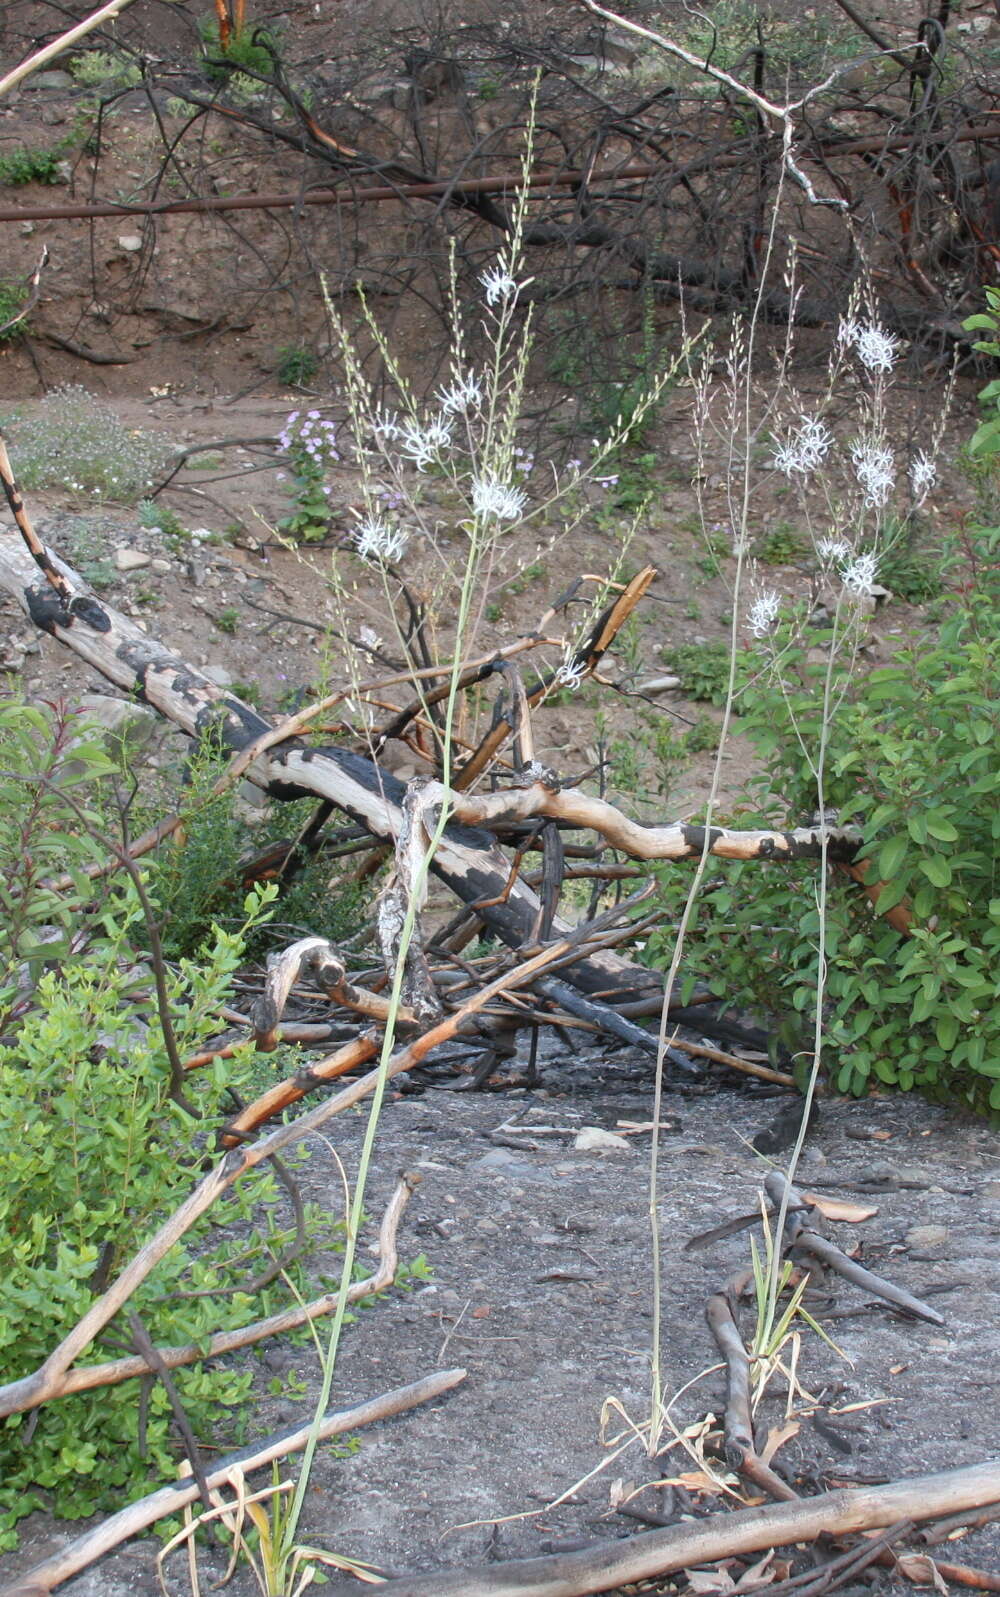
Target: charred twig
column 152, row 1358
column 741, row 1450
column 803, row 1239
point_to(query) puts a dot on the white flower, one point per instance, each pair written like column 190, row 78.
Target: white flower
column 875, row 348
column 831, row 551
column 861, row 574
column 463, row 395
column 874, row 468
column 848, row 332
column 498, row 285
column 806, row 449
column 385, row 426
column 922, row 474
column 377, row 539
column 764, row 613
column 493, row 498
column 425, row 444
column 571, row 673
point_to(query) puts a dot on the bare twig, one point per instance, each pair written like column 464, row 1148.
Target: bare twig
column 168, row 1500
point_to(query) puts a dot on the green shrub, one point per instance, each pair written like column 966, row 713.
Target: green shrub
column 97, row 1152
column 703, row 669
column 296, row 365
column 105, row 69
column 75, row 441
column 912, row 762
column 12, row 298
column 29, row 166
column 199, row 882
column 986, row 439
column 248, row 48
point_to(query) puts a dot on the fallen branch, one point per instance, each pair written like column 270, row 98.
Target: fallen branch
column 169, row 1500
column 803, row 1239
column 741, row 1450
column 605, row 1565
column 87, row 1377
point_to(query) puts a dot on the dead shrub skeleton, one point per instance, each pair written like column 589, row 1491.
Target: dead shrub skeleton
column 632, row 151
column 569, row 974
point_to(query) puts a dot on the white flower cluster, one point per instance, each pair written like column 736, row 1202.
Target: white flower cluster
column 875, row 348
column 764, row 613
column 571, row 673
column 860, row 575
column 922, row 475
column 832, row 551
column 465, row 394
column 424, row 443
column 875, row 470
column 804, row 450
column 495, row 500
column 498, row 285
column 378, row 539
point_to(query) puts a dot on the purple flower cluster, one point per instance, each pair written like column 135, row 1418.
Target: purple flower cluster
column 309, row 438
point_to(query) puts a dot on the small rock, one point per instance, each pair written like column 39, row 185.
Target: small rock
column 131, row 559
column 131, row 243
column 593, row 1138
column 926, row 1238
column 161, row 566
column 219, row 675
column 49, row 80
column 659, row 684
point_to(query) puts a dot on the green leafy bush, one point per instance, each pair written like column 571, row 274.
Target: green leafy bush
column 703, row 669
column 912, row 762
column 105, row 69
column 986, row 439
column 12, row 298
column 97, row 1151
column 199, row 883
column 296, row 366
column 74, row 441
column 29, row 166
column 41, row 838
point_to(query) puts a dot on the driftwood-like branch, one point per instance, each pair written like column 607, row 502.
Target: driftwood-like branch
column 324, row 965
column 401, row 901
column 606, row 1565
column 137, row 1517
column 649, row 842
column 802, row 1239
column 87, row 1377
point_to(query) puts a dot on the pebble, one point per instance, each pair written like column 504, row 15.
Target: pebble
column 162, row 566
column 50, row 80
column 927, row 1238
column 131, row 243
column 595, row 1137
column 131, row 559
column 659, row 684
